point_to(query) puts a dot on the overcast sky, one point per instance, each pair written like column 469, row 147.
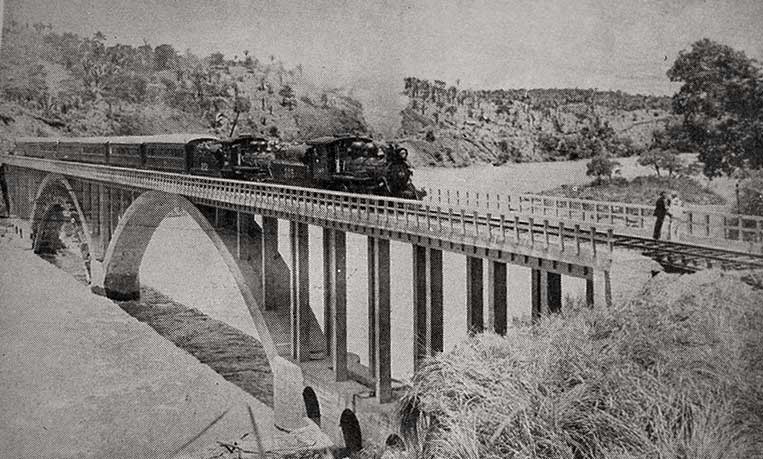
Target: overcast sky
column 608, row 44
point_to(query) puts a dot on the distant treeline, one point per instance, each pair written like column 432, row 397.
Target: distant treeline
column 438, row 91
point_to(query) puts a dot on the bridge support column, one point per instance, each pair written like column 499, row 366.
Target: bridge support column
column 335, row 299
column 103, row 220
column 94, row 214
column 300, row 287
column 474, row 295
column 497, row 297
column 602, row 295
column 427, row 301
column 589, row 292
column 554, row 291
column 269, row 256
column 379, row 317
column 546, row 293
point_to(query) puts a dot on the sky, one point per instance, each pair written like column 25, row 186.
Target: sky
column 604, row 44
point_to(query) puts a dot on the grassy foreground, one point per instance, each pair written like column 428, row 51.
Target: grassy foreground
column 676, row 373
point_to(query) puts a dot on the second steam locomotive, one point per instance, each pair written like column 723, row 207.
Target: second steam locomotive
column 344, row 163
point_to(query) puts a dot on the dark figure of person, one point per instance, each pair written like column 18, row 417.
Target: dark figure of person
column 660, row 211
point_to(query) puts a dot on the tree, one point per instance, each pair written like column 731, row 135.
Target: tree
column 601, row 166
column 216, row 59
column 240, row 105
column 287, row 97
column 165, row 57
column 667, row 160
column 722, row 103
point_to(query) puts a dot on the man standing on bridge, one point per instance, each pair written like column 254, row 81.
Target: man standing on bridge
column 660, row 211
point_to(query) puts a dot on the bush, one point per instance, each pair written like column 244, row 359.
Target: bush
column 751, row 196
column 641, row 190
column 601, row 166
column 662, row 160
column 673, row 374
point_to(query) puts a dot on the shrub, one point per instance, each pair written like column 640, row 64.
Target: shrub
column 601, row 166
column 751, row 195
column 674, row 373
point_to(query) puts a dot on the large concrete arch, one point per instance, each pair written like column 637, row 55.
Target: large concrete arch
column 121, row 281
column 56, row 191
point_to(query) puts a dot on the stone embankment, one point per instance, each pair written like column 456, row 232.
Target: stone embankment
column 82, row 378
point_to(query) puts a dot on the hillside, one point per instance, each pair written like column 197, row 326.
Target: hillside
column 62, row 84
column 446, row 125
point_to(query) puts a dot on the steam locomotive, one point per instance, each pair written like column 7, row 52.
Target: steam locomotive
column 344, row 163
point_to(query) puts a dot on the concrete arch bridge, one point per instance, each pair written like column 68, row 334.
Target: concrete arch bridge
column 113, row 212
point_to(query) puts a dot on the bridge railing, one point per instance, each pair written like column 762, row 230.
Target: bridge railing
column 448, row 223
column 688, row 224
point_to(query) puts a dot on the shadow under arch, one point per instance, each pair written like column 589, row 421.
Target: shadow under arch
column 350, row 426
column 132, row 236
column 312, row 406
column 55, row 204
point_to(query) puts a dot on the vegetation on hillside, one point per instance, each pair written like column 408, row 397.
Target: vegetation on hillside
column 85, row 86
column 465, row 125
column 673, row 373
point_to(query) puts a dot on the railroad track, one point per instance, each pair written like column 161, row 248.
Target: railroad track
column 679, row 255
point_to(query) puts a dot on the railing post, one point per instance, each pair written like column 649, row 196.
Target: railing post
column 463, row 222
column 489, row 227
column 593, row 240
column 707, row 225
column 450, row 219
column 561, row 235
column 690, row 222
column 545, row 232
column 516, row 228
column 576, row 237
column 428, row 217
column 503, row 227
column 476, row 224
column 530, row 226
column 610, row 239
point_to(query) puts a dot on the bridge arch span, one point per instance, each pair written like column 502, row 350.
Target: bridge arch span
column 121, row 281
column 55, row 204
column 132, row 236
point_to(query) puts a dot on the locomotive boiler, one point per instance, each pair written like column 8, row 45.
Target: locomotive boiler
column 343, row 163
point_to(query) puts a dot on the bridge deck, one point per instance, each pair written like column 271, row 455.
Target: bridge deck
column 464, row 229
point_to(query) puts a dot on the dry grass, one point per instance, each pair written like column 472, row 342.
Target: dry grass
column 675, row 374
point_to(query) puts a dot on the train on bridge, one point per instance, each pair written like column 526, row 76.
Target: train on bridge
column 349, row 163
